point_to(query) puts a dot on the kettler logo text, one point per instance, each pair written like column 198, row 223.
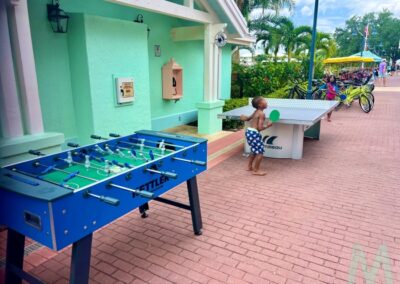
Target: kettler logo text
column 269, row 142
column 154, row 183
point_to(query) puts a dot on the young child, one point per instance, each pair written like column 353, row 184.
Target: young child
column 331, row 92
column 253, row 135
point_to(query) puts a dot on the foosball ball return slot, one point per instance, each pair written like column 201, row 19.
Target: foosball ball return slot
column 61, row 199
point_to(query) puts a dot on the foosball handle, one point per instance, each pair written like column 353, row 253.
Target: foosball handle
column 146, row 194
column 96, row 137
column 73, row 145
column 114, row 135
column 199, row 163
column 106, row 199
column 170, row 175
column 36, row 153
column 109, row 200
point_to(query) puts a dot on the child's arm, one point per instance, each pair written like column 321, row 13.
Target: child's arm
column 260, row 125
column 246, row 118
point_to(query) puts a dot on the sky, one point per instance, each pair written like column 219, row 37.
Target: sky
column 331, row 13
column 334, row 13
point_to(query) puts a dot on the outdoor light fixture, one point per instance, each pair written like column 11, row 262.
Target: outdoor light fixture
column 57, row 17
column 139, row 19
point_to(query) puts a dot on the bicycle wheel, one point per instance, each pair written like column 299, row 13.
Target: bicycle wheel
column 371, row 97
column 365, row 103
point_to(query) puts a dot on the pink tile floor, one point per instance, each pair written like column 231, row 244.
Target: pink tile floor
column 301, row 223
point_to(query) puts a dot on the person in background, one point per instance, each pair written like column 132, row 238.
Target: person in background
column 393, row 69
column 331, row 92
column 383, row 72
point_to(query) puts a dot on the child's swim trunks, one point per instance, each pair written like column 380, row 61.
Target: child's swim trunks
column 254, row 139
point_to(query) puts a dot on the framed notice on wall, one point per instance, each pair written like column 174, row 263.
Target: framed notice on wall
column 125, row 90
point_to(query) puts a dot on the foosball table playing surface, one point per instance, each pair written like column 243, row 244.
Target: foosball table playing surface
column 61, row 199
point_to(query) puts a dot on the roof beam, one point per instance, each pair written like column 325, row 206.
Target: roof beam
column 188, row 33
column 169, row 9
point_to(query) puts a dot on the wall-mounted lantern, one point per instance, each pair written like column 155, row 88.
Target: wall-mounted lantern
column 57, row 17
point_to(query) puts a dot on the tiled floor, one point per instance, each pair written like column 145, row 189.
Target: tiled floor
column 302, row 223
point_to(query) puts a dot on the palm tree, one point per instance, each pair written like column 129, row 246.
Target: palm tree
column 276, row 32
column 245, row 6
column 325, row 46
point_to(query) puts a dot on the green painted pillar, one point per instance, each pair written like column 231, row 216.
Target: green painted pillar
column 208, row 122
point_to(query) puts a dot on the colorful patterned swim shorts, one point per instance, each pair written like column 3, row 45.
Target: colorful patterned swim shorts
column 254, row 139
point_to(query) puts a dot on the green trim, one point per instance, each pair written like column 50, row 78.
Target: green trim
column 210, row 105
column 169, row 121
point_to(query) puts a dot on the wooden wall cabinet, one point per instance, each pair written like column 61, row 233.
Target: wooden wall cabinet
column 172, row 80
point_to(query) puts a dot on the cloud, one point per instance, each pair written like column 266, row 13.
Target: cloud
column 306, row 11
column 305, row 2
column 361, row 7
column 258, row 12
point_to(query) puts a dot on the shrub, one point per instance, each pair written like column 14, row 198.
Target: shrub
column 230, row 105
column 268, row 77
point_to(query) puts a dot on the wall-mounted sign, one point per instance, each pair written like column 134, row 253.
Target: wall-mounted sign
column 125, row 92
column 157, row 50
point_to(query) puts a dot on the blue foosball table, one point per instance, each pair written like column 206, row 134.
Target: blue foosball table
column 61, row 199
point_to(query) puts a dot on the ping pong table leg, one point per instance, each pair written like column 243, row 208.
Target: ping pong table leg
column 314, row 131
column 195, row 205
column 14, row 256
column 80, row 260
column 297, row 142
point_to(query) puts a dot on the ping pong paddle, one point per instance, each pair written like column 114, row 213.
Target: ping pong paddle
column 274, row 115
column 343, row 97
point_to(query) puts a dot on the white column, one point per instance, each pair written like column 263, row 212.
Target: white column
column 25, row 63
column 212, row 62
column 10, row 114
column 188, row 3
column 297, row 142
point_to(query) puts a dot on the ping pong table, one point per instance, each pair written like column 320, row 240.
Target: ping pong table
column 298, row 119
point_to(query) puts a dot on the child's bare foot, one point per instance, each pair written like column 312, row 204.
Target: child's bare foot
column 329, row 120
column 249, row 169
column 259, row 173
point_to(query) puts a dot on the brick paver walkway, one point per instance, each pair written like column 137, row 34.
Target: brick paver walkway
column 301, row 223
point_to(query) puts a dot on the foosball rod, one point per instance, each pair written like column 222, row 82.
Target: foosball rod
column 114, row 135
column 154, row 142
column 138, row 192
column 196, row 162
column 35, row 176
column 124, row 148
column 138, row 145
column 77, row 163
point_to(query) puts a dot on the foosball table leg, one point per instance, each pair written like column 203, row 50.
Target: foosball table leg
column 195, row 205
column 143, row 210
column 14, row 257
column 80, row 260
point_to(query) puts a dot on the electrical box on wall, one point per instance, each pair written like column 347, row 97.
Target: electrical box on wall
column 172, row 80
column 125, row 92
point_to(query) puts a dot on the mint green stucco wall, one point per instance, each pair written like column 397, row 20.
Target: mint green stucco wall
column 116, row 47
column 80, row 82
column 62, row 81
column 53, row 73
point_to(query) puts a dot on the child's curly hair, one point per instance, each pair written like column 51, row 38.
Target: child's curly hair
column 256, row 101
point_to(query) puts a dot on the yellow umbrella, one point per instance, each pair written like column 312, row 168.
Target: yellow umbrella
column 348, row 59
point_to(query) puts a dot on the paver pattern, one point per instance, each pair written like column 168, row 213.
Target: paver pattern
column 299, row 224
